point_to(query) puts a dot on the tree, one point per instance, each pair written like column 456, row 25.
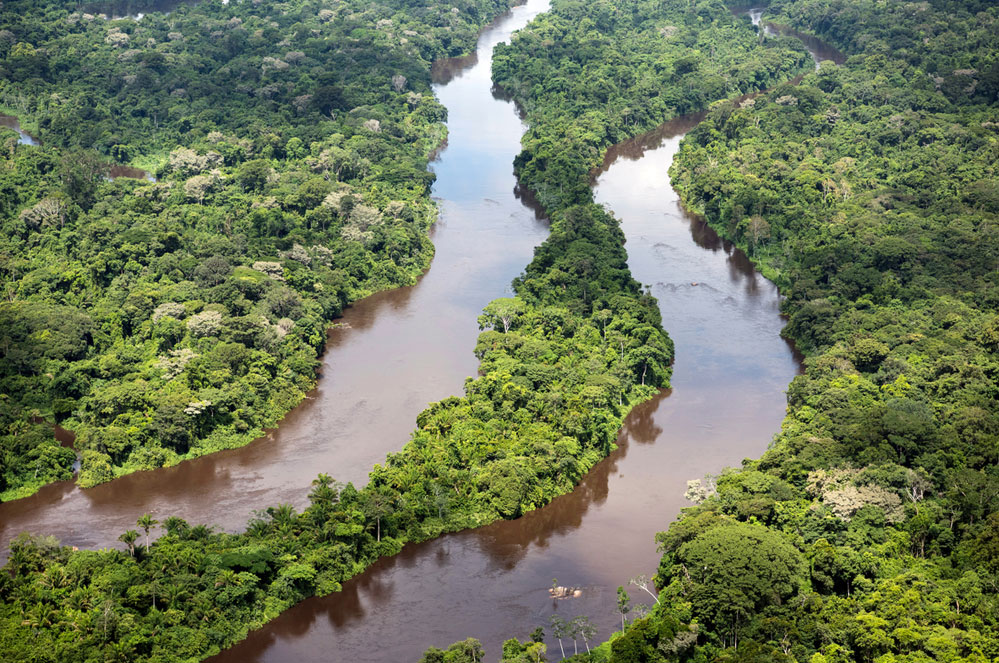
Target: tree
column 560, row 628
column 82, row 172
column 734, row 571
column 325, row 491
column 253, row 175
column 623, row 604
column 503, row 311
column 377, row 505
column 147, row 522
column 466, row 651
column 584, row 628
column 758, row 231
column 642, row 582
column 128, row 538
column 199, row 186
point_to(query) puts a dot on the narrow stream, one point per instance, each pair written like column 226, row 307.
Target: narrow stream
column 23, row 137
column 818, row 49
column 114, row 171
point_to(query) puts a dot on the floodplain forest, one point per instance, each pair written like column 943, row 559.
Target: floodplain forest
column 165, row 318
column 869, row 530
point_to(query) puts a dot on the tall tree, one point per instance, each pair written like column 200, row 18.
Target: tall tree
column 147, row 522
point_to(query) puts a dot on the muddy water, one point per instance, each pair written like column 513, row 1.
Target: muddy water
column 114, row 171
column 396, row 352
column 819, row 50
column 491, row 583
column 727, row 401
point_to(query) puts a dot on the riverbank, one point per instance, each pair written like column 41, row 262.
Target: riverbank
column 396, row 352
column 263, row 237
column 511, row 491
column 882, row 481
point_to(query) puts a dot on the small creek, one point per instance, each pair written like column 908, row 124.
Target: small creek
column 113, row 172
column 23, row 137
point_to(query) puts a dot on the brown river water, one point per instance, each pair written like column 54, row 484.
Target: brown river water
column 114, row 171
column 405, row 348
column 396, row 351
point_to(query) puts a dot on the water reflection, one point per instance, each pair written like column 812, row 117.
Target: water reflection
column 727, row 401
column 818, row 49
column 491, row 583
column 114, row 171
column 23, row 137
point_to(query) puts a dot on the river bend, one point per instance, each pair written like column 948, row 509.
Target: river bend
column 394, row 352
column 402, row 349
column 726, row 403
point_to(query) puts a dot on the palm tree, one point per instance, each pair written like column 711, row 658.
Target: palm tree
column 559, row 628
column 200, row 532
column 172, row 593
column 586, row 630
column 147, row 522
column 227, row 578
column 41, row 616
column 324, row 495
column 623, row 604
column 128, row 538
column 283, row 516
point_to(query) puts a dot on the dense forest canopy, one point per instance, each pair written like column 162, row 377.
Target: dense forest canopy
column 591, row 74
column 161, row 321
column 868, row 530
column 561, row 364
column 191, row 314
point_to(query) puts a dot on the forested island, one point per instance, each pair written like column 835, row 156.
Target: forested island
column 161, row 320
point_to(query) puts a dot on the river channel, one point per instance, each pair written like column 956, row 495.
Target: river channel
column 402, row 349
column 727, row 401
column 394, row 352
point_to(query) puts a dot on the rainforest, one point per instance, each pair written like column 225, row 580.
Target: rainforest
column 196, row 197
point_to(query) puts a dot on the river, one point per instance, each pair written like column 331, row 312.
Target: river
column 726, row 403
column 23, row 137
column 114, row 171
column 818, row 49
column 395, row 352
column 404, row 348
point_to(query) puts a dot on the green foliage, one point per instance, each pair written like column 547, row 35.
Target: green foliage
column 879, row 495
column 165, row 320
column 207, row 293
column 466, row 651
column 732, row 572
column 590, row 74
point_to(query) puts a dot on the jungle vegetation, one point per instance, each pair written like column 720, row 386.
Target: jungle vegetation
column 590, row 74
column 868, row 192
column 561, row 364
column 164, row 320
column 867, row 532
